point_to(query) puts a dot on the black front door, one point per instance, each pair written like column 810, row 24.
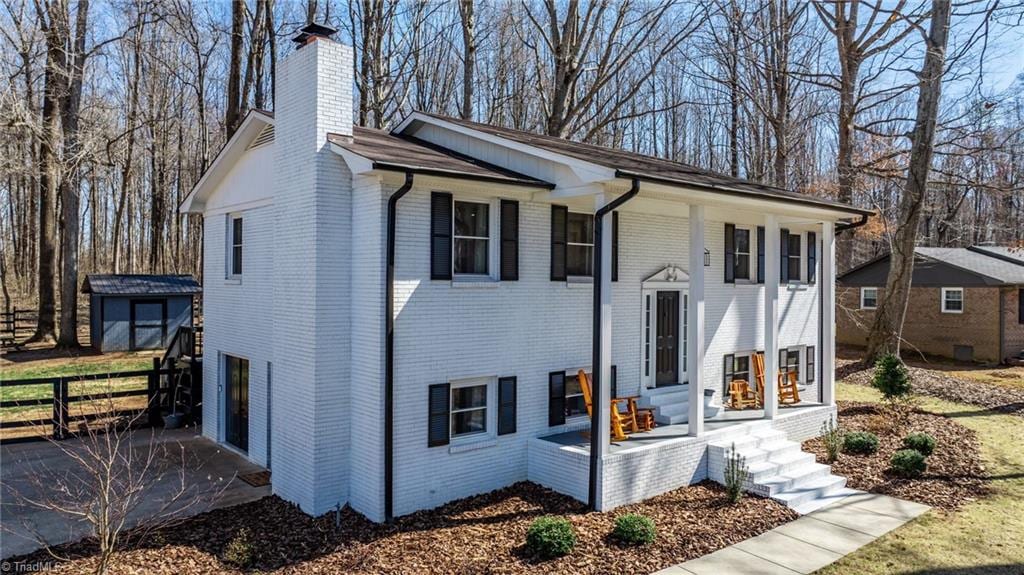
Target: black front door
column 238, row 402
column 667, row 352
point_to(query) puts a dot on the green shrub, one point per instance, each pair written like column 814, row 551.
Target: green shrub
column 735, row 475
column 863, row 442
column 891, row 378
column 908, row 463
column 920, row 442
column 239, row 551
column 550, row 537
column 634, row 529
column 832, row 437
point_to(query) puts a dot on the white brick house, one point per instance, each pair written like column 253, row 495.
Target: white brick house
column 493, row 303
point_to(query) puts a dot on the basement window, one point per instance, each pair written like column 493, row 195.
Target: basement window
column 952, row 300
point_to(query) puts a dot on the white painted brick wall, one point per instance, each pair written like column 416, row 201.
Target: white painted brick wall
column 803, row 424
column 561, row 468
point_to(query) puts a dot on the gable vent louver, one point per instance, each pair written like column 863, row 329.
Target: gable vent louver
column 265, row 137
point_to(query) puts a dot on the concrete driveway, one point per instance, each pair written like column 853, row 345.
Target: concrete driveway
column 210, row 472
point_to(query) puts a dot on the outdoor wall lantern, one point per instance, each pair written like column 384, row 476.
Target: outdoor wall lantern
column 707, row 257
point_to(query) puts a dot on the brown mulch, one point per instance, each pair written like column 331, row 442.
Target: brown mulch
column 998, row 398
column 954, row 474
column 482, row 534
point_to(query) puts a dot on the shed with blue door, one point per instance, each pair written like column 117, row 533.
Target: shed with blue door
column 130, row 312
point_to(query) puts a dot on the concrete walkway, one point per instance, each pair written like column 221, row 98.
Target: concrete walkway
column 809, row 543
column 210, row 472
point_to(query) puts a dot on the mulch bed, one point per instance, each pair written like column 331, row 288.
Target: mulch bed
column 482, row 534
column 955, row 472
column 998, row 398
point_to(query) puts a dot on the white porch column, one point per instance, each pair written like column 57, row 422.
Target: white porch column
column 695, row 323
column 606, row 328
column 828, row 316
column 771, row 316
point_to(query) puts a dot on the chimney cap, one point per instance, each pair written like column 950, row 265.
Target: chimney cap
column 313, row 30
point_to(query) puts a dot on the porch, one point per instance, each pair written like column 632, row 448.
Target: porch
column 670, row 456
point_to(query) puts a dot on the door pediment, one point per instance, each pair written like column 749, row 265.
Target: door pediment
column 671, row 276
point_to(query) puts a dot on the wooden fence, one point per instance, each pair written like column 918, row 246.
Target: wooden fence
column 19, row 323
column 159, row 393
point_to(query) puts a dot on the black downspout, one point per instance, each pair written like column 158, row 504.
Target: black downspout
column 389, row 351
column 597, row 414
column 843, row 226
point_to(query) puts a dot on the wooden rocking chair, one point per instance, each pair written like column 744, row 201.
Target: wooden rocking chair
column 740, row 394
column 621, row 422
column 789, row 393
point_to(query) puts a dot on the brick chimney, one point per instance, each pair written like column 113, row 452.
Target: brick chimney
column 312, row 204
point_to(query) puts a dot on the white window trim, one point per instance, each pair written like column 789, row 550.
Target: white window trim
column 493, row 240
column 942, row 299
column 230, row 248
column 578, row 278
column 490, row 414
column 751, row 256
column 801, row 278
column 863, row 292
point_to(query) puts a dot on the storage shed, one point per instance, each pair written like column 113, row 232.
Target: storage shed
column 131, row 312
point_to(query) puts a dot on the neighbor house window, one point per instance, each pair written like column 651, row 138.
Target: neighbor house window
column 575, row 403
column 472, row 238
column 793, row 259
column 952, row 300
column 742, row 254
column 235, row 255
column 579, row 254
column 868, row 298
column 469, row 409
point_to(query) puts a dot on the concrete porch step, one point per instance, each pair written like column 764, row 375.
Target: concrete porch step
column 792, row 479
column 671, row 404
column 814, row 494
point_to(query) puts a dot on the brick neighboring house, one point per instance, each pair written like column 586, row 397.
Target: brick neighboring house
column 965, row 303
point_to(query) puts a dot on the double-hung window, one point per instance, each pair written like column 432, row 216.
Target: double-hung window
column 575, row 404
column 579, row 252
column 868, row 298
column 952, row 300
column 790, row 362
column 471, row 253
column 235, row 243
column 469, row 409
column 793, row 259
column 737, row 367
column 741, row 256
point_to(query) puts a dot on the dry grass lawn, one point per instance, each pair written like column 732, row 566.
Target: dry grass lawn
column 984, row 536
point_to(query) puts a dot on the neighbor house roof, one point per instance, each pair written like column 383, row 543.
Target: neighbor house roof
column 1014, row 254
column 946, row 267
column 140, row 284
column 400, row 152
column 631, row 164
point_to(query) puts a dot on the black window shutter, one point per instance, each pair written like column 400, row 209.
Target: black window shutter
column 437, row 427
column 728, row 362
column 812, row 256
column 440, row 236
column 812, row 362
column 615, row 246
column 506, row 405
column 784, row 255
column 556, row 398
column 730, row 253
column 760, row 254
column 1020, row 305
column 509, row 240
column 559, row 231
column 614, row 385
column 782, row 360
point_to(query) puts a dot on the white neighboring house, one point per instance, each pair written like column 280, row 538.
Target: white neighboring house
column 493, row 307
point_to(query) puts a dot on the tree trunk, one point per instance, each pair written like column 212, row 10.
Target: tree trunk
column 888, row 325
column 232, row 116
column 468, row 56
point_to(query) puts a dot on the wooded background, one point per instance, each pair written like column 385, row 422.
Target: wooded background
column 110, row 111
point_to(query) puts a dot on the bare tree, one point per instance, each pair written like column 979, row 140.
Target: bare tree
column 468, row 20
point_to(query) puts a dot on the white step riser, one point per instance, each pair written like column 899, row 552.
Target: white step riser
column 755, row 454
column 769, row 470
column 664, row 399
column 674, row 409
column 790, row 482
column 671, row 419
column 803, row 498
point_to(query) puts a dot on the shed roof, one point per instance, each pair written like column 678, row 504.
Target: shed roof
column 398, row 151
column 140, row 284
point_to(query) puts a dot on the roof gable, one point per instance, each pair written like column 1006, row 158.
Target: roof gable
column 938, row 267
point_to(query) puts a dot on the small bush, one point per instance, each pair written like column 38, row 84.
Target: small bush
column 908, row 463
column 735, row 475
column 862, row 442
column 920, row 442
column 833, row 439
column 634, row 529
column 550, row 537
column 891, row 378
column 239, row 551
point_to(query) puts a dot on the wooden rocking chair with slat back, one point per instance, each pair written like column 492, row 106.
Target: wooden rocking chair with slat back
column 620, row 422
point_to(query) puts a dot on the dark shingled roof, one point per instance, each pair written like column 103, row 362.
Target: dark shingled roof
column 1001, row 270
column 140, row 284
column 633, row 164
column 399, row 152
